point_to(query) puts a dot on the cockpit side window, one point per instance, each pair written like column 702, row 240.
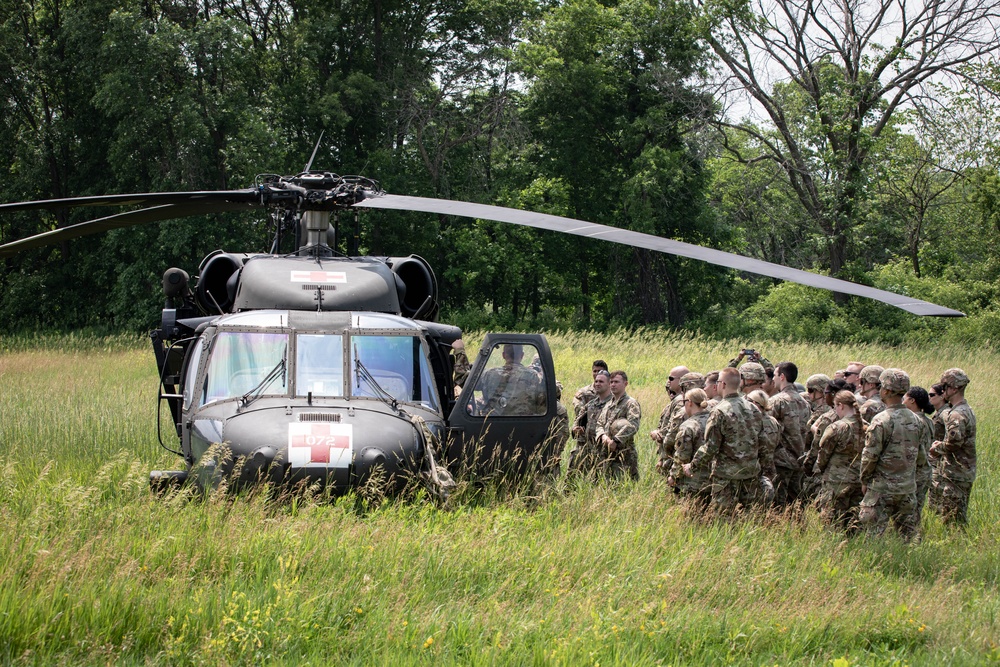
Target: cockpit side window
column 240, row 361
column 319, row 365
column 396, row 364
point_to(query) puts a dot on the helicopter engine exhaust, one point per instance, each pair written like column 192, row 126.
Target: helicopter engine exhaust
column 216, row 291
column 418, row 299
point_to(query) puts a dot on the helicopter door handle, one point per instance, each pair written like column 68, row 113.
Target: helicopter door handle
column 171, row 395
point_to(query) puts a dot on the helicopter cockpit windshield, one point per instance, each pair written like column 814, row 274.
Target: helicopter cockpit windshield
column 367, row 360
column 241, row 361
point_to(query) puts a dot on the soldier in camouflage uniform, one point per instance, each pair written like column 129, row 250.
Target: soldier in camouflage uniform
column 584, row 457
column 616, row 429
column 919, row 403
column 816, row 398
column 512, row 389
column 712, row 389
column 690, row 437
column 889, row 461
column 752, row 376
column 731, row 449
column 461, row 366
column 941, row 407
column 838, row 465
column 792, row 412
column 815, row 395
column 673, row 408
column 869, row 388
column 770, row 432
column 586, row 394
column 955, row 468
column 664, row 437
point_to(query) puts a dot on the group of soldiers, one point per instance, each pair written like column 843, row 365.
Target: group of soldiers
column 865, row 446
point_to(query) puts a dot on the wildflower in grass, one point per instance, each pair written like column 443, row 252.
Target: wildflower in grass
column 429, row 642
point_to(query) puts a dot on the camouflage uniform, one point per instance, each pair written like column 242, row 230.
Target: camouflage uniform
column 620, row 420
column 584, row 457
column 889, row 464
column 667, row 417
column 792, row 412
column 512, row 390
column 870, row 406
column 690, row 437
column 955, row 468
column 817, row 408
column 583, row 396
column 770, row 435
column 461, row 368
column 731, row 447
column 665, row 449
column 933, row 499
column 923, row 473
column 815, row 435
column 838, row 468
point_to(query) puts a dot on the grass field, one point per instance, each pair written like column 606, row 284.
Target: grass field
column 93, row 569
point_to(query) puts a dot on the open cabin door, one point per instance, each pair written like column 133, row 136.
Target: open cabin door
column 500, row 422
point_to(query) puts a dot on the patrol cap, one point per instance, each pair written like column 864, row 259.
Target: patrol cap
column 692, row 380
column 817, row 382
column 758, row 398
column 872, row 374
column 619, row 424
column 753, row 371
column 955, row 377
column 895, row 380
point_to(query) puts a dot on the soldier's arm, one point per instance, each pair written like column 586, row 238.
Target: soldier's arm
column 713, row 436
column 765, row 449
column 827, row 445
column 954, row 433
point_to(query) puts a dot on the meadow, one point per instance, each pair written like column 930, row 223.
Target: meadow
column 95, row 569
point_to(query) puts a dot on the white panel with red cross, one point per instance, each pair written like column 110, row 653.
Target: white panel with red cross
column 320, row 277
column 320, row 445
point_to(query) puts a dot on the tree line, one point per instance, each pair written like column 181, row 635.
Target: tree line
column 855, row 139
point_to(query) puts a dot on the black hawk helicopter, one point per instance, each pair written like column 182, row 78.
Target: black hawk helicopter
column 313, row 366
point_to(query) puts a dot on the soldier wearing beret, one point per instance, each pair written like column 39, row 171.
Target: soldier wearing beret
column 889, row 461
column 955, row 467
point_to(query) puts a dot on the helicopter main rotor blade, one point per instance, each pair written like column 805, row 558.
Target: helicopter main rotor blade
column 119, row 220
column 650, row 242
column 147, row 199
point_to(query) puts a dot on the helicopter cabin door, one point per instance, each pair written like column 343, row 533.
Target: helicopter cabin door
column 501, row 420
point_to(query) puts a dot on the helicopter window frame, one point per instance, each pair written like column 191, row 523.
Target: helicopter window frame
column 193, row 370
column 421, row 375
column 230, row 393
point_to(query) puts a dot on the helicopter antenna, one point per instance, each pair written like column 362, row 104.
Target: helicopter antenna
column 313, row 156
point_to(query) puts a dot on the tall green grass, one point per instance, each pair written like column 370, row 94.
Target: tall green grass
column 93, row 569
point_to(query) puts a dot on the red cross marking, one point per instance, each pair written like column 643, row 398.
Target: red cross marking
column 320, row 441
